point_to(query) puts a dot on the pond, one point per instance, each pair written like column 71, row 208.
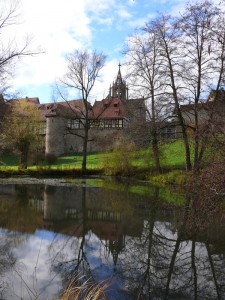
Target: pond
column 136, row 241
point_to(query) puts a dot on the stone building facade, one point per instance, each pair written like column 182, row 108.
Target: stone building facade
column 113, row 120
column 210, row 114
column 116, row 119
column 62, row 125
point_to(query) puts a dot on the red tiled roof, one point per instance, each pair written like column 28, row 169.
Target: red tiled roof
column 71, row 109
column 33, row 100
column 108, row 109
column 105, row 109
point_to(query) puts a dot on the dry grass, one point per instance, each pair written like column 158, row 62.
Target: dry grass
column 87, row 290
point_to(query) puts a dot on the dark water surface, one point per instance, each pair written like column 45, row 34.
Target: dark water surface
column 145, row 242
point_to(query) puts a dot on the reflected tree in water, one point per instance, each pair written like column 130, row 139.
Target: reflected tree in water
column 152, row 249
column 175, row 259
column 76, row 270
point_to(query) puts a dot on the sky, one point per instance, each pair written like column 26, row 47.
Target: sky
column 58, row 27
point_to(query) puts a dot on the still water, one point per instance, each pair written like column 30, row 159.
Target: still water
column 144, row 242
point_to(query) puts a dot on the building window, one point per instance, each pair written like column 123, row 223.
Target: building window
column 42, row 129
column 39, row 128
column 74, row 124
column 110, row 123
column 97, row 123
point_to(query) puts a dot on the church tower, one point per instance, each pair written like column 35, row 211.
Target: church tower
column 119, row 88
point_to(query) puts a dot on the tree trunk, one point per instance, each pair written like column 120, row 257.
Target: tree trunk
column 24, row 157
column 196, row 152
column 155, row 148
column 85, row 142
column 187, row 149
column 179, row 113
column 194, row 270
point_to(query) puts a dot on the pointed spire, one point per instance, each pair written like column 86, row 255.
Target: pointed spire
column 119, row 88
column 119, row 76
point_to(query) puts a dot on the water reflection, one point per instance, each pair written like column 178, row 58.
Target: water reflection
column 147, row 248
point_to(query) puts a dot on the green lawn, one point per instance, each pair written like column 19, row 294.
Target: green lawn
column 9, row 162
column 172, row 157
column 94, row 161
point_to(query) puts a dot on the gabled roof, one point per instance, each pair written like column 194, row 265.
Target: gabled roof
column 216, row 96
column 215, row 100
column 113, row 108
column 67, row 109
column 33, row 100
column 108, row 109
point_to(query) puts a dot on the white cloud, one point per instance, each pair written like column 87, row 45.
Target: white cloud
column 123, row 13
column 46, row 17
column 100, row 6
column 108, row 74
column 106, row 21
column 140, row 22
column 32, row 271
column 131, row 2
column 57, row 27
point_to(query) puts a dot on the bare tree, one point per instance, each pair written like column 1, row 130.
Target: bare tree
column 213, row 130
column 83, row 71
column 191, row 54
column 10, row 51
column 198, row 69
column 144, row 66
column 168, row 36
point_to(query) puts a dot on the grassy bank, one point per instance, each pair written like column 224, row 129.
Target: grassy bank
column 139, row 163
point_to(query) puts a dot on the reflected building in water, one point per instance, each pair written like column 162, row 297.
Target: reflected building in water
column 107, row 213
column 148, row 243
column 76, row 210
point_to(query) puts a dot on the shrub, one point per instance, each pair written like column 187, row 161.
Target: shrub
column 176, row 177
column 119, row 161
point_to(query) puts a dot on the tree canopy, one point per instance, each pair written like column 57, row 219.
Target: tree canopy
column 21, row 129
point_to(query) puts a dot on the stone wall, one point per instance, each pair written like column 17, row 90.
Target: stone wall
column 99, row 140
column 55, row 129
column 60, row 141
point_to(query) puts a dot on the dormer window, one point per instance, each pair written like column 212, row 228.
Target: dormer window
column 116, row 104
